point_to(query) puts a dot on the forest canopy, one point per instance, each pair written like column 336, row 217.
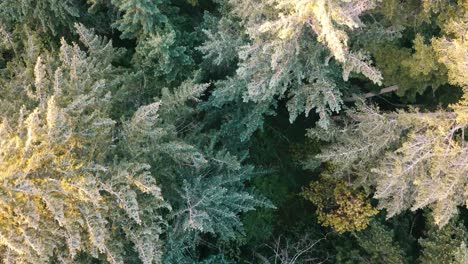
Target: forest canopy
column 233, row 131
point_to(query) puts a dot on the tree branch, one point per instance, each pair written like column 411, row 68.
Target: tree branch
column 368, row 95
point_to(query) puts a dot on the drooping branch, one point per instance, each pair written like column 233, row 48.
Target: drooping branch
column 371, row 94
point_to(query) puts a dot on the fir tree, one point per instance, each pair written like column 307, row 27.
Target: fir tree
column 413, row 159
column 64, row 194
column 284, row 58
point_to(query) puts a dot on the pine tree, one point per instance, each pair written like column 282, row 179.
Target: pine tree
column 414, row 68
column 132, row 154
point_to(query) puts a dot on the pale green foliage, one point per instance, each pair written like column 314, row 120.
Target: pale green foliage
column 223, row 40
column 204, row 186
column 429, row 168
column 283, row 58
column 360, row 138
column 322, row 95
column 173, row 102
column 413, row 159
column 212, row 203
column 277, row 68
column 161, row 49
column 325, row 19
column 151, row 137
column 207, row 199
column 25, row 46
column 147, row 137
column 61, row 189
column 161, row 55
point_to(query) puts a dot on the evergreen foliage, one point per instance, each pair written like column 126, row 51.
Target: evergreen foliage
column 63, row 190
column 283, row 58
column 445, row 245
column 413, row 159
column 378, row 245
column 46, row 16
column 238, row 131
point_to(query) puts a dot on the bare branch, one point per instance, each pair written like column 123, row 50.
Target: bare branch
column 368, row 95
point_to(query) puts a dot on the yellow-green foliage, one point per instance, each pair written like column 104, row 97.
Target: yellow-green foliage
column 425, row 64
column 412, row 71
column 327, row 19
column 424, row 58
column 61, row 191
column 452, row 49
column 193, row 2
column 413, row 159
column 338, row 206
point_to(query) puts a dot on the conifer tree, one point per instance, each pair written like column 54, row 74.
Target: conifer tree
column 446, row 245
column 379, row 246
column 63, row 191
column 162, row 50
column 413, row 159
column 284, row 57
column 81, row 183
column 128, row 151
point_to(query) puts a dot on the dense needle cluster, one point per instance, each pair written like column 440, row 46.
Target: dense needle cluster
column 233, row 131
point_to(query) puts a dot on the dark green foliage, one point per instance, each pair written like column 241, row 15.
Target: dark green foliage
column 379, row 247
column 444, row 245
